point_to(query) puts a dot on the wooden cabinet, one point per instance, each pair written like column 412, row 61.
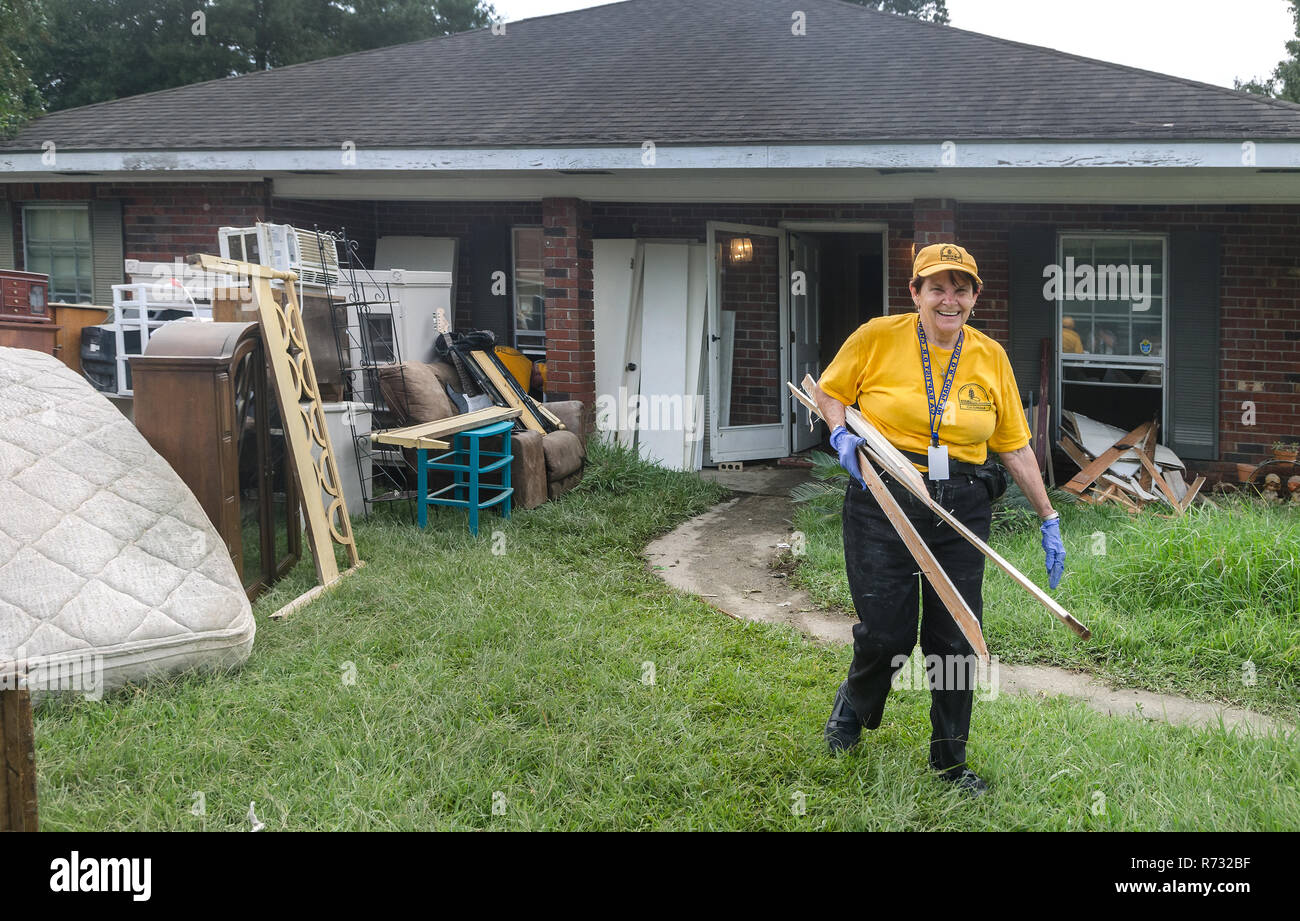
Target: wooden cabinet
column 72, row 319
column 19, row 334
column 202, row 401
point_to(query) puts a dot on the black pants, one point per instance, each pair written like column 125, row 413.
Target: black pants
column 884, row 580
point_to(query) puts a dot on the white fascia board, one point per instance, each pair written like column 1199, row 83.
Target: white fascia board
column 1133, row 186
column 909, row 155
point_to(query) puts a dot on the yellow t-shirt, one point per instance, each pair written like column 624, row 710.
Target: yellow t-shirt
column 879, row 369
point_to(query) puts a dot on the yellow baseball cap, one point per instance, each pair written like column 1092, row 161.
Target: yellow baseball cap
column 944, row 257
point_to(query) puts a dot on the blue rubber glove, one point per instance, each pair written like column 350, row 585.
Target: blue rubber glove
column 846, row 444
column 1054, row 550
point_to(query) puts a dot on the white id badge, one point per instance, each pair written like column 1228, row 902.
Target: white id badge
column 937, row 459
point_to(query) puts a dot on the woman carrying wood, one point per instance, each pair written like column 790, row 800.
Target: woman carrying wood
column 944, row 394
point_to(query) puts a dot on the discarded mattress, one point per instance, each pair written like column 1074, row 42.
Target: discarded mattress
column 107, row 560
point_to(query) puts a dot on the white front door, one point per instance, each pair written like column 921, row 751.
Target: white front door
column 805, row 315
column 749, row 414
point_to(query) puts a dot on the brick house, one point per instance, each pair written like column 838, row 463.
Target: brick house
column 741, row 184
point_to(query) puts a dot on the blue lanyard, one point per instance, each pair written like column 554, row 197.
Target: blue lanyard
column 936, row 409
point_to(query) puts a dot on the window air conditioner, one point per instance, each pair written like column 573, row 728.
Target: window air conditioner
column 282, row 247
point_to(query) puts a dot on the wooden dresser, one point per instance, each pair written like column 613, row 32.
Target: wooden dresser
column 202, row 401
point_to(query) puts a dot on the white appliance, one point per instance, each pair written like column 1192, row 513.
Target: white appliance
column 345, row 422
column 314, row 257
column 421, row 254
column 404, row 307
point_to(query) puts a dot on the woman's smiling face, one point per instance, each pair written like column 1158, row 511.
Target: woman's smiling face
column 945, row 301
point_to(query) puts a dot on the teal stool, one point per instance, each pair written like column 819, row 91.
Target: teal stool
column 467, row 461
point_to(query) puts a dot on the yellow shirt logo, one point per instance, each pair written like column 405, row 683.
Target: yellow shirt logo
column 975, row 398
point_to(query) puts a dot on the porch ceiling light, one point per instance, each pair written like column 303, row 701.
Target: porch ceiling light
column 742, row 250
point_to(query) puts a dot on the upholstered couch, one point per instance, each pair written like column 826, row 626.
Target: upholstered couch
column 544, row 467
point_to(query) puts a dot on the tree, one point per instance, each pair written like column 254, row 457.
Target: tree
column 929, row 10
column 1285, row 82
column 19, row 97
column 93, row 50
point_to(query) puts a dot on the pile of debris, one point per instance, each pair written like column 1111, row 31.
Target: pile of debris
column 1130, row 469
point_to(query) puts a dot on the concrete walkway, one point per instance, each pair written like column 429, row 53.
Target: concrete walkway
column 726, row 557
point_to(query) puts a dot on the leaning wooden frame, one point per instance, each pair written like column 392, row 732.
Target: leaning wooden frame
column 892, row 461
column 285, row 340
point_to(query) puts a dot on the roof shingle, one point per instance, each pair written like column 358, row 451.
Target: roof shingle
column 676, row 72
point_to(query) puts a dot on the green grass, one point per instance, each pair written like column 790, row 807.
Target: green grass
column 523, row 673
column 1174, row 605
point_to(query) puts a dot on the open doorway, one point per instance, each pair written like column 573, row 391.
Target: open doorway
column 843, row 283
column 781, row 303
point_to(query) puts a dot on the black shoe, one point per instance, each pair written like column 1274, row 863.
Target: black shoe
column 843, row 728
column 967, row 781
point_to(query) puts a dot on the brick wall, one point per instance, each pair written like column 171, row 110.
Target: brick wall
column 160, row 220
column 570, row 307
column 749, row 291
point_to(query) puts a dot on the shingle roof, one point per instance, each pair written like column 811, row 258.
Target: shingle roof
column 676, row 72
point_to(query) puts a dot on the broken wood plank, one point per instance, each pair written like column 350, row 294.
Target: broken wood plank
column 17, row 762
column 1148, row 448
column 1084, row 478
column 904, row 472
column 312, row 594
column 428, row 435
column 1074, row 452
column 1191, row 493
column 1150, row 466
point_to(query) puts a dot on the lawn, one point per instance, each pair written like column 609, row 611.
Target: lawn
column 1206, row 606
column 545, row 679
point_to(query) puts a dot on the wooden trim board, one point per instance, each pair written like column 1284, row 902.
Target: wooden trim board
column 898, row 466
column 924, row 556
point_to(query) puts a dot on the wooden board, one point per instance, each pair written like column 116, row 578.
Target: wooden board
column 1041, row 443
column 1084, row 478
column 924, row 556
column 297, row 392
column 1148, row 448
column 428, row 435
column 17, row 762
column 1191, row 493
column 507, row 393
column 1160, row 481
column 902, row 470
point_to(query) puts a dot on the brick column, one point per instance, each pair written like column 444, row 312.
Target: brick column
column 570, row 306
column 934, row 220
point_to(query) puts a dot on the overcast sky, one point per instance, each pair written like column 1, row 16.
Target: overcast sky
column 1212, row 41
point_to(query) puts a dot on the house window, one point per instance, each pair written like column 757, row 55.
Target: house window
column 56, row 242
column 1111, row 293
column 1112, row 296
column 530, row 291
